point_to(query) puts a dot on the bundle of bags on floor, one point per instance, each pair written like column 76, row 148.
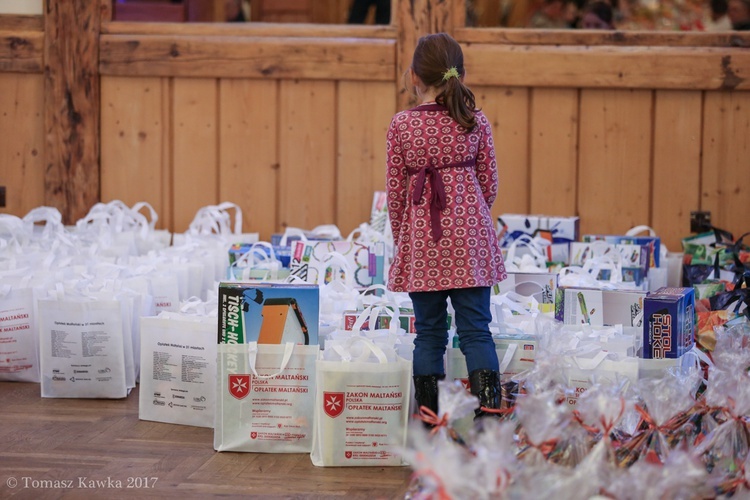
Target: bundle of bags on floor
column 680, row 432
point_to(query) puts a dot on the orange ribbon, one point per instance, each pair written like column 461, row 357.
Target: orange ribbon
column 430, row 417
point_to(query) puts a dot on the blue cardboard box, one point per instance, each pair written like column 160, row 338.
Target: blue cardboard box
column 268, row 313
column 669, row 323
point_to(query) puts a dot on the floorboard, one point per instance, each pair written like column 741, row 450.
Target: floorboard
column 80, row 448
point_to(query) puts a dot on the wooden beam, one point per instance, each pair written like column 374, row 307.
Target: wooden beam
column 11, row 22
column 71, row 106
column 248, row 57
column 21, row 51
column 296, row 30
column 523, row 36
column 609, row 67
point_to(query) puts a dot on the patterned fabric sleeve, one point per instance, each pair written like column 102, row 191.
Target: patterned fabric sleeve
column 396, row 177
column 486, row 162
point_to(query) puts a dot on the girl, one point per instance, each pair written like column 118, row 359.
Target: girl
column 441, row 183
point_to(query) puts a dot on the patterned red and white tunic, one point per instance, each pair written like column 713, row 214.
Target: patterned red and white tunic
column 441, row 183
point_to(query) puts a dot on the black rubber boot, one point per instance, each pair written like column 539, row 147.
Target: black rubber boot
column 485, row 385
column 426, row 392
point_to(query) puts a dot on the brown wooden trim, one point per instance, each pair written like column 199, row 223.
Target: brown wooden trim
column 509, row 36
column 12, row 22
column 71, row 106
column 251, row 29
column 248, row 57
column 22, row 51
column 105, row 11
column 609, row 67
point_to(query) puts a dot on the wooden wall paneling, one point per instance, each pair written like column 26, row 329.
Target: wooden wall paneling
column 14, row 22
column 338, row 31
column 134, row 138
column 585, row 38
column 21, row 51
column 614, row 164
column 677, row 163
column 22, row 144
column 725, row 183
column 507, row 109
column 71, row 106
column 247, row 57
column 609, row 67
column 195, row 148
column 248, row 159
column 307, row 142
column 554, row 151
column 364, row 112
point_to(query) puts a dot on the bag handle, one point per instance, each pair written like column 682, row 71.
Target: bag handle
column 252, row 356
column 534, row 248
column 590, row 363
column 371, row 314
column 507, row 357
column 153, row 216
column 328, row 231
column 636, row 230
column 292, row 231
column 331, row 260
column 346, row 353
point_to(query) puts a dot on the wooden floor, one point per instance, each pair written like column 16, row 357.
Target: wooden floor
column 48, row 444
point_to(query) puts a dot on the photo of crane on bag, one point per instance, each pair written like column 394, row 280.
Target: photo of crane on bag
column 268, row 313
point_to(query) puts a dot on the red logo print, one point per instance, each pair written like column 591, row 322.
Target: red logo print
column 348, row 454
column 465, row 383
column 239, row 386
column 253, row 435
column 278, row 425
column 333, row 403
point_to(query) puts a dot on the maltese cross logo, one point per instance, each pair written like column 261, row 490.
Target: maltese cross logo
column 333, row 403
column 239, row 386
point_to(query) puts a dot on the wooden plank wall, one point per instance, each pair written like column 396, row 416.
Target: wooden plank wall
column 289, row 123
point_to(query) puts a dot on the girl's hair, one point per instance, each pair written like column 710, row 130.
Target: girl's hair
column 434, row 57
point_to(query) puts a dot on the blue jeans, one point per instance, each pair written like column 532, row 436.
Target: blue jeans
column 472, row 306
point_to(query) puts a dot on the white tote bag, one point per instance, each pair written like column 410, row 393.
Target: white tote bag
column 265, row 397
column 361, row 407
column 81, row 349
column 178, row 369
column 19, row 352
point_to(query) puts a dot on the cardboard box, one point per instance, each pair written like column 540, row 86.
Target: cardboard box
column 561, row 229
column 575, row 306
column 268, row 313
column 669, row 323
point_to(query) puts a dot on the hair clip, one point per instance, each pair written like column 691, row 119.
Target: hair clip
column 451, row 72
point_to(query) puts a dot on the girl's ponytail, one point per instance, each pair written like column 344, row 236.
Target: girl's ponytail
column 459, row 100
